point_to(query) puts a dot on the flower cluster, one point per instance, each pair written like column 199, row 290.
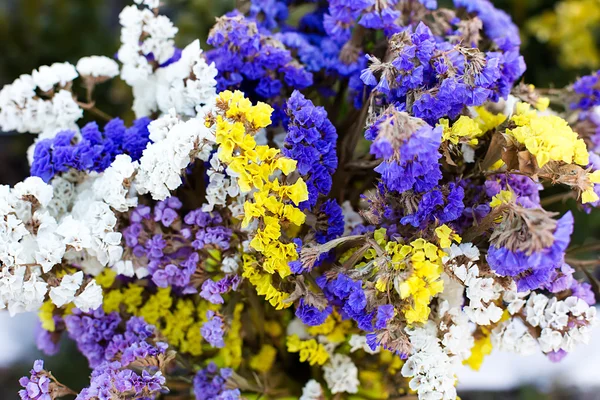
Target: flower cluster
column 346, row 193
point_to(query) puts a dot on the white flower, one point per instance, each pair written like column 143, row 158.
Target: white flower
column 97, row 67
column 312, row 391
column 46, row 77
column 162, row 162
column 19, row 295
column 34, row 186
column 341, row 374
column 90, row 298
column 65, row 292
column 359, row 342
column 113, row 185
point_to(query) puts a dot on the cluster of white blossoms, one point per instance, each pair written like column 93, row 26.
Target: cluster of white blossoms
column 430, row 366
column 312, row 391
column 164, row 160
column 482, row 289
column 41, row 102
column 341, row 374
column 97, row 67
column 33, row 240
column 564, row 323
column 187, row 84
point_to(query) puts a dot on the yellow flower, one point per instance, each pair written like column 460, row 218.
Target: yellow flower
column 309, row 350
column 46, row 316
column 263, row 361
column 481, row 348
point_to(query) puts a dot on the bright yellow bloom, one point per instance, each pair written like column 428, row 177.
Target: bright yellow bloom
column 481, row 348
column 547, row 137
column 263, row 361
column 46, row 315
column 309, row 350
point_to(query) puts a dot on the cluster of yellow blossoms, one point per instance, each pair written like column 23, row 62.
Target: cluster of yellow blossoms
column 547, row 137
column 571, row 28
column 259, row 170
column 419, row 264
column 310, row 350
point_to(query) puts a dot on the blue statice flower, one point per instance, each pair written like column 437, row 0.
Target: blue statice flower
column 92, row 333
column 532, row 269
column 587, row 89
column 210, row 384
column 311, row 140
column 254, row 61
column 311, row 315
column 49, row 342
column 444, row 204
column 110, row 381
column 434, row 78
column 37, row 385
column 350, row 299
column 526, row 189
column 269, row 14
column 212, row 330
column 409, row 149
column 93, row 151
column 384, row 314
column 133, row 343
column 213, row 291
column 332, row 225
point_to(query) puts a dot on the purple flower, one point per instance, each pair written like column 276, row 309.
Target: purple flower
column 311, row 315
column 37, row 386
column 212, row 330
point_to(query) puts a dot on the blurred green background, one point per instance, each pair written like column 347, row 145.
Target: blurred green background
column 40, row 32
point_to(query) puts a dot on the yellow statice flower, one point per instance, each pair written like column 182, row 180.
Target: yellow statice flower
column 504, row 197
column 106, row 278
column 464, row 127
column 424, row 282
column 486, row 119
column 335, row 329
column 46, row 315
column 571, row 28
column 273, row 204
column 262, row 282
column 231, row 355
column 446, row 235
column 547, row 137
column 263, row 361
column 481, row 348
column 309, row 350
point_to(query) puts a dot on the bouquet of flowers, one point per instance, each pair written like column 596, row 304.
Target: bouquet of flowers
column 337, row 199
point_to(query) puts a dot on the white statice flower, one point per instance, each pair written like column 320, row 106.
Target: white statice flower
column 512, row 336
column 230, row 264
column 58, row 74
column 143, row 34
column 359, row 342
column 90, row 298
column 341, row 374
column 297, row 327
column 65, row 292
column 19, row 294
column 430, row 367
column 312, row 391
column 188, row 85
column 22, row 110
column 564, row 323
column 163, row 162
column 97, row 67
column 482, row 290
column 34, row 186
column 50, row 247
column 221, row 186
column 113, row 186
column 456, row 336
